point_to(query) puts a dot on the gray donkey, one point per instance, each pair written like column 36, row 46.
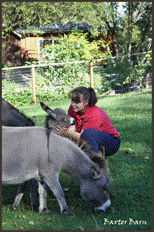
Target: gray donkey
column 57, row 118
column 27, row 152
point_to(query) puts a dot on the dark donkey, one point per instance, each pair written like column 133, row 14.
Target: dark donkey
column 11, row 116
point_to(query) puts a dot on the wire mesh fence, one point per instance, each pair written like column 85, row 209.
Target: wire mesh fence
column 57, row 79
column 44, row 80
column 20, row 76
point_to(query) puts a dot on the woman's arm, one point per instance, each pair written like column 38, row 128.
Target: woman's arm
column 69, row 132
column 72, row 133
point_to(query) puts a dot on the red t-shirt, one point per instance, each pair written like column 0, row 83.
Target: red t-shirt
column 93, row 117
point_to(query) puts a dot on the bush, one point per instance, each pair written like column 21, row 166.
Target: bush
column 55, row 82
column 74, row 47
column 120, row 73
column 15, row 94
column 20, row 96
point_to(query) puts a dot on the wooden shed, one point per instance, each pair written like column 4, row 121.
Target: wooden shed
column 32, row 45
column 33, row 39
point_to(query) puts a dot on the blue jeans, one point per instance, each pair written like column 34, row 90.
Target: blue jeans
column 96, row 138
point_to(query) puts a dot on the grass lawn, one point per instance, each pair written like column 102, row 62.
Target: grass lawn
column 131, row 174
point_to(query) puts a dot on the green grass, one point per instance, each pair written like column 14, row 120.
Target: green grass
column 131, row 172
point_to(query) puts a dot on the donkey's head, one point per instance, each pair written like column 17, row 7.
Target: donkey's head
column 56, row 117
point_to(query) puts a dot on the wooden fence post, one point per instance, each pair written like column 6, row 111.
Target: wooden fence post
column 33, row 85
column 91, row 78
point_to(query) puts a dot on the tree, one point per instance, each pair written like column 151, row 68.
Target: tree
column 22, row 15
column 136, row 28
column 129, row 32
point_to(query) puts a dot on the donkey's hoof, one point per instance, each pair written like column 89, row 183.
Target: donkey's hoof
column 44, row 211
column 67, row 212
column 103, row 208
column 14, row 207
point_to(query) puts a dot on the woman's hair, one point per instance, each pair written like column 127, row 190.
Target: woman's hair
column 88, row 94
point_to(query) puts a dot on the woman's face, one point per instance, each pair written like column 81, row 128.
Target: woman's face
column 79, row 106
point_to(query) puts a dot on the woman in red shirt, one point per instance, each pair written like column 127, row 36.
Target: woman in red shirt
column 92, row 123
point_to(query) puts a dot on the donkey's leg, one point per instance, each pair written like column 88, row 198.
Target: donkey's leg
column 38, row 196
column 42, row 198
column 34, row 194
column 55, row 187
column 19, row 195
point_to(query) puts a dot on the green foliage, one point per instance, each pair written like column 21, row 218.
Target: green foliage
column 25, row 14
column 136, row 34
column 74, row 47
column 103, row 15
column 129, row 31
column 58, row 81
column 120, row 73
column 19, row 96
column 16, row 94
column 139, row 70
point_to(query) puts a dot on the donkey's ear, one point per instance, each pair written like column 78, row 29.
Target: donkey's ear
column 44, row 106
column 52, row 114
column 48, row 110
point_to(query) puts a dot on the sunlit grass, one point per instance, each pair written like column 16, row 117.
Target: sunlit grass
column 131, row 172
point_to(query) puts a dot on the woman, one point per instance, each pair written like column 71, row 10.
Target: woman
column 92, row 123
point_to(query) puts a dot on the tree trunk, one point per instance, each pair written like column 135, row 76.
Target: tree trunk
column 115, row 45
column 130, row 21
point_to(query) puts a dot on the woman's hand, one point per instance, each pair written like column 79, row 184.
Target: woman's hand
column 71, row 132
column 68, row 132
column 61, row 131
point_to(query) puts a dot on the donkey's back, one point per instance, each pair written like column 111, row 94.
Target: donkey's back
column 11, row 116
column 22, row 151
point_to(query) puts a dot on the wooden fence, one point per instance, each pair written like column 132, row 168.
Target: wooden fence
column 90, row 67
column 35, row 66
